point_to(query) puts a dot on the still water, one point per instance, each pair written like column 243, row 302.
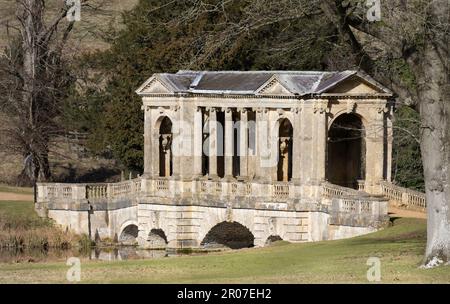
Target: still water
column 102, row 254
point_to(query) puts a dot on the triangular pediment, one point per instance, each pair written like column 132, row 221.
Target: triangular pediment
column 273, row 87
column 354, row 86
column 154, row 86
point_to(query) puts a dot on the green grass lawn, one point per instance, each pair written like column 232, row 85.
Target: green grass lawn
column 20, row 214
column 400, row 249
column 18, row 190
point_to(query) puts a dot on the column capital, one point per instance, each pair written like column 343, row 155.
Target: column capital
column 296, row 110
column 175, row 108
column 261, row 109
column 242, row 110
column 321, row 107
column 227, row 109
column 211, row 109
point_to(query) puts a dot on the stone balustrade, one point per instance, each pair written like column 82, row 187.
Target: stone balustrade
column 355, row 211
column 346, row 206
column 94, row 191
column 403, row 197
column 222, row 188
column 331, row 190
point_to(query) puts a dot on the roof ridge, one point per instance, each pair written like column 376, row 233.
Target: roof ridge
column 254, row 72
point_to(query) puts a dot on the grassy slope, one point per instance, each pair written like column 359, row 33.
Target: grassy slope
column 18, row 190
column 400, row 249
column 85, row 35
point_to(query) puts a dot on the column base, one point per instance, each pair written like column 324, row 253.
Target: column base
column 213, row 177
column 229, row 178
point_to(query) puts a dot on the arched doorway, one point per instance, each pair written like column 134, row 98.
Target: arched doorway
column 346, row 151
column 284, row 168
column 165, row 148
column 157, row 239
column 129, row 235
column 229, row 234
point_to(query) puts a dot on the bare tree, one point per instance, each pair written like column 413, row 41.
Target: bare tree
column 413, row 34
column 35, row 80
column 417, row 33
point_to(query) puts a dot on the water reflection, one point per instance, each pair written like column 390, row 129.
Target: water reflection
column 102, row 254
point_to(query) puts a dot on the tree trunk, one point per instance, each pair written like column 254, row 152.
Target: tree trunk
column 435, row 146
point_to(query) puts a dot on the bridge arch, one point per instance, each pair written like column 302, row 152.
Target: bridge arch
column 157, row 239
column 273, row 238
column 233, row 235
column 346, row 149
column 128, row 233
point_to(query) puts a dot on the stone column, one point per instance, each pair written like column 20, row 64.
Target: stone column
column 229, row 143
column 390, row 138
column 296, row 148
column 263, row 165
column 154, row 146
column 177, row 145
column 320, row 138
column 147, row 142
column 243, row 143
column 166, row 141
column 198, row 142
column 375, row 151
column 212, row 143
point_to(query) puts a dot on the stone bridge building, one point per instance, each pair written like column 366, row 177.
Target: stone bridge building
column 298, row 156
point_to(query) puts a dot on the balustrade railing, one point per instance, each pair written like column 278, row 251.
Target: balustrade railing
column 162, row 185
column 403, row 197
column 87, row 191
column 281, row 190
column 332, row 190
column 96, row 191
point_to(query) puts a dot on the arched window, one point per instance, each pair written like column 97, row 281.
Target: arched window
column 284, row 168
column 165, row 148
column 346, row 151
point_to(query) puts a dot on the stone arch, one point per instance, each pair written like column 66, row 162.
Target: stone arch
column 233, row 235
column 128, row 233
column 285, row 136
column 165, row 139
column 357, row 113
column 157, row 239
column 273, row 238
column 346, row 150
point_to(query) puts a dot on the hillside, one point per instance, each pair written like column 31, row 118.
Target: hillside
column 86, row 36
column 86, row 33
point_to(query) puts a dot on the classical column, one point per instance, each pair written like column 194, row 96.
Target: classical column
column 296, row 147
column 212, row 142
column 264, row 163
column 284, row 157
column 375, row 151
column 229, row 143
column 147, row 142
column 166, row 142
column 320, row 137
column 177, row 142
column 243, row 143
column 389, row 140
column 198, row 142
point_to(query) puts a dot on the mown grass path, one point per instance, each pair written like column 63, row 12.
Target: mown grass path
column 400, row 249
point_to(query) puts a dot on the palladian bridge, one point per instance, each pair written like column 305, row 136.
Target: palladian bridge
column 244, row 158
